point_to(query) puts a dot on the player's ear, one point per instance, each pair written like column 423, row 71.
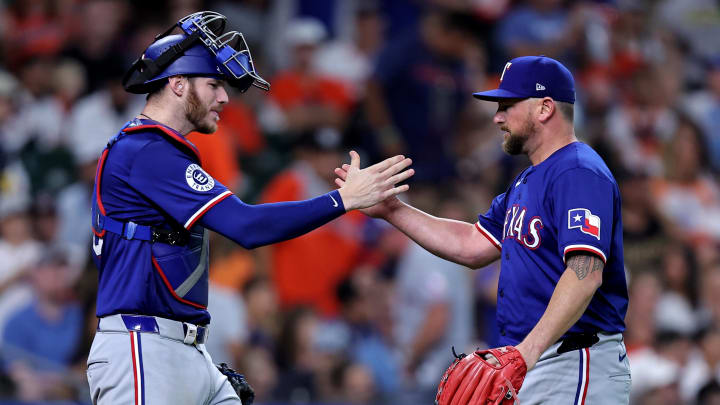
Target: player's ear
column 178, row 84
column 546, row 109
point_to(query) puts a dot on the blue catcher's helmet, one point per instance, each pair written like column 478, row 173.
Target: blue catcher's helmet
column 203, row 49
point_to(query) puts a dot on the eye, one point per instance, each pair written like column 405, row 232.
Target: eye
column 506, row 104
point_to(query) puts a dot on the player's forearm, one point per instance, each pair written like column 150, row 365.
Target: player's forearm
column 258, row 225
column 569, row 301
column 449, row 239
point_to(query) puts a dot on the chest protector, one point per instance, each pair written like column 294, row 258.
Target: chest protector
column 179, row 258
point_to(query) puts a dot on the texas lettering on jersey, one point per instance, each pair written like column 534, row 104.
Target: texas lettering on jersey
column 524, row 231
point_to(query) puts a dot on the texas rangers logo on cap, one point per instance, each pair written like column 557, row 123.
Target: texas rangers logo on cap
column 584, row 220
column 507, row 66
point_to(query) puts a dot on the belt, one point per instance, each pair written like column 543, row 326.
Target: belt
column 187, row 333
column 577, row 341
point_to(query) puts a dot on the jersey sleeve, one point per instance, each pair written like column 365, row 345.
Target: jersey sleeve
column 583, row 212
column 175, row 183
column 491, row 223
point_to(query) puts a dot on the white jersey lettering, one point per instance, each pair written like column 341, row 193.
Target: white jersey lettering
column 534, row 232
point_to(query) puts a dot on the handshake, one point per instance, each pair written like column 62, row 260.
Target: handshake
column 364, row 188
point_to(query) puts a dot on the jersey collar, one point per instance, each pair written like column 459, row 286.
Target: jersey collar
column 140, row 124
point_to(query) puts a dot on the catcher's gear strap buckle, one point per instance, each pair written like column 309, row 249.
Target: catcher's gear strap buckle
column 174, row 238
column 130, row 230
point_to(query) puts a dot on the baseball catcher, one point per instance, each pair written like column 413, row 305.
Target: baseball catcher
column 154, row 205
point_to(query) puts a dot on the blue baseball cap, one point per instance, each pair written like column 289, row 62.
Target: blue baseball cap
column 533, row 76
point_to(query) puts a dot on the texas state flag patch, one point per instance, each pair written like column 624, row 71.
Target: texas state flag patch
column 584, row 220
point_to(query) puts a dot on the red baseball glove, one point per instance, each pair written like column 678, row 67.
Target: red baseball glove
column 472, row 380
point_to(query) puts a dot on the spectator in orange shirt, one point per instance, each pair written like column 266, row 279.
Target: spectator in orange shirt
column 307, row 269
column 302, row 98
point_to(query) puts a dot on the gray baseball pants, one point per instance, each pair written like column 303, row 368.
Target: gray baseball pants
column 153, row 365
column 597, row 375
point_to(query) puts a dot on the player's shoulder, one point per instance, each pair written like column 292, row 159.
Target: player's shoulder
column 147, row 148
column 579, row 157
column 140, row 141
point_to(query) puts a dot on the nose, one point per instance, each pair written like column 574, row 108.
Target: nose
column 499, row 118
column 222, row 96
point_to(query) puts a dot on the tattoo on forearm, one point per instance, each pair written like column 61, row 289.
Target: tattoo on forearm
column 584, row 264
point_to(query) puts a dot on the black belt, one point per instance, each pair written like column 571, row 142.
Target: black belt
column 577, row 341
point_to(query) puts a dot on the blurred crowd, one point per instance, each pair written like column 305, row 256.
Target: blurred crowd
column 354, row 312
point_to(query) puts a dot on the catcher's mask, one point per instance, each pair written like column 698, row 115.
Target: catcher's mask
column 202, row 49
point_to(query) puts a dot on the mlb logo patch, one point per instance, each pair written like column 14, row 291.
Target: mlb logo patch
column 584, row 220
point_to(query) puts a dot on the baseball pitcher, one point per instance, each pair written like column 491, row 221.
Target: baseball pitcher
column 557, row 229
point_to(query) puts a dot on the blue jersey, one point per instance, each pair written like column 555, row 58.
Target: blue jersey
column 569, row 202
column 152, row 176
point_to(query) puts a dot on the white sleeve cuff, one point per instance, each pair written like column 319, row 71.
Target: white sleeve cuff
column 586, row 248
column 199, row 213
column 488, row 235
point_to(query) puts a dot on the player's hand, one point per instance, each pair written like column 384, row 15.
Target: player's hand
column 362, row 188
column 379, row 210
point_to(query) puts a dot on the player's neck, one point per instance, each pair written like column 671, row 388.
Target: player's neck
column 168, row 117
column 549, row 142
